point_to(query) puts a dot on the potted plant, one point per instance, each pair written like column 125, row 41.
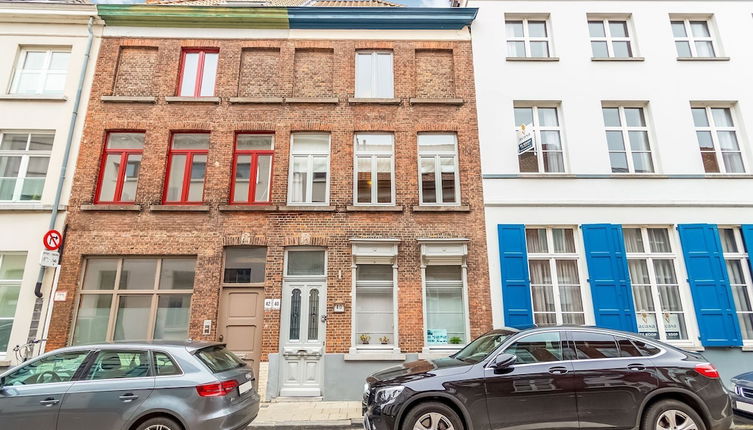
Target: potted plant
column 365, row 338
column 456, row 340
column 384, row 340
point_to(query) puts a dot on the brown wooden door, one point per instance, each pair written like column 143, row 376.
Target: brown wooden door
column 241, row 322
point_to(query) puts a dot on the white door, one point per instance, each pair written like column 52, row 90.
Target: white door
column 303, row 324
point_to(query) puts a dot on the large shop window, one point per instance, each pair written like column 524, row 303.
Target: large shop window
column 374, row 76
column 738, row 268
column 717, row 138
column 375, row 184
column 135, row 299
column 245, row 265
column 41, row 71
column 309, row 174
column 627, row 139
column 198, row 72
column 659, row 303
column 555, row 278
column 610, row 38
column 438, row 165
column 121, row 163
column 544, row 154
column 253, row 168
column 186, row 167
column 11, row 275
column 23, row 165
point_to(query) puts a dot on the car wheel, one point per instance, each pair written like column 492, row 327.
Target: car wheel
column 432, row 416
column 671, row 415
column 159, row 423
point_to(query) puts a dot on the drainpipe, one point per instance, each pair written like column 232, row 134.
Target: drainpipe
column 61, row 179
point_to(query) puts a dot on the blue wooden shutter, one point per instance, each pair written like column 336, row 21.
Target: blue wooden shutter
column 747, row 231
column 709, row 284
column 608, row 276
column 516, row 285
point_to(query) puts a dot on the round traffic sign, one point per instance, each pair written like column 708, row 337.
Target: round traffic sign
column 52, row 240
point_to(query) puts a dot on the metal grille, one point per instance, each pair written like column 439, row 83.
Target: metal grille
column 314, row 314
column 295, row 315
column 746, row 392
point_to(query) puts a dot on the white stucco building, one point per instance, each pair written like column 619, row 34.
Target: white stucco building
column 45, row 46
column 633, row 207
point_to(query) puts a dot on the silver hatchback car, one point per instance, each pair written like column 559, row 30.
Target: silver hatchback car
column 130, row 386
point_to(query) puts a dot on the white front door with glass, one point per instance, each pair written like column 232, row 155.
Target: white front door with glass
column 304, row 301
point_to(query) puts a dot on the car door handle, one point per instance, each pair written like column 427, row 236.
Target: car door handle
column 636, row 367
column 128, row 397
column 558, row 370
column 49, row 402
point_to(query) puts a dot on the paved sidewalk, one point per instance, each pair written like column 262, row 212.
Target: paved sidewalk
column 301, row 415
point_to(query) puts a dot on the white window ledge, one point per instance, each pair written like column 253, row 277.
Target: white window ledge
column 28, row 207
column 33, row 98
column 532, row 59
column 702, row 58
column 4, row 363
column 618, row 59
column 747, row 348
column 375, row 354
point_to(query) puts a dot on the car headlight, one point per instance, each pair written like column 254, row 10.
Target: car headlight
column 386, row 395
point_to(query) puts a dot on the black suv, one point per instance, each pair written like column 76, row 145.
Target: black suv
column 551, row 378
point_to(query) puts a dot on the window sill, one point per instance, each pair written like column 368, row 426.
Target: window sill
column 179, row 99
column 374, row 208
column 129, row 99
column 374, row 355
column 33, row 98
column 376, row 101
column 461, row 208
column 545, row 59
column 307, row 208
column 4, row 363
column 255, row 100
column 324, row 100
column 179, row 208
column 110, row 208
column 702, row 58
column 247, row 208
column 429, row 101
column 618, row 59
column 27, row 207
column 747, row 348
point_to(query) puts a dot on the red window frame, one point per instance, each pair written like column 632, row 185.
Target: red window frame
column 199, row 70
column 254, row 153
column 124, row 154
column 189, row 153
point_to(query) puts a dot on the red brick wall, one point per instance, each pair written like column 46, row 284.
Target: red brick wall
column 435, row 73
column 260, row 73
column 135, row 71
column 205, row 233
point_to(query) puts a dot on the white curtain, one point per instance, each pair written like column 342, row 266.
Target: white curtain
column 633, row 240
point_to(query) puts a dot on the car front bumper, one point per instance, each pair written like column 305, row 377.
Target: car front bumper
column 743, row 408
column 377, row 418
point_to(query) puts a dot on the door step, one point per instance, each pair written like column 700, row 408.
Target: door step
column 297, row 399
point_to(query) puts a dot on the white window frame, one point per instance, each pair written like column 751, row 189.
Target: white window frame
column 305, row 277
column 688, row 311
column 714, row 129
column 375, row 76
column 375, row 251
column 25, row 155
column 437, row 155
column 691, row 39
column 310, row 169
column 44, row 72
column 373, row 156
column 625, row 129
column 537, row 129
column 527, row 38
column 11, row 283
column 444, row 252
column 611, row 39
column 552, row 258
column 743, row 257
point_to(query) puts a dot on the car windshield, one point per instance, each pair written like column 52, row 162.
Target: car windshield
column 219, row 359
column 480, row 348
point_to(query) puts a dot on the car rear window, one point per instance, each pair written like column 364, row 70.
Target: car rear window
column 645, row 348
column 218, row 359
column 165, row 365
column 590, row 346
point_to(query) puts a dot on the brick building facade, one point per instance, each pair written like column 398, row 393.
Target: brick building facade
column 287, row 92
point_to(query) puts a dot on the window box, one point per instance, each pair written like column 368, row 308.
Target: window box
column 179, row 208
column 129, row 99
column 247, row 208
column 386, row 101
column 374, row 208
column 322, row 100
column 181, row 99
column 110, row 208
column 443, row 101
column 256, row 100
column 461, row 208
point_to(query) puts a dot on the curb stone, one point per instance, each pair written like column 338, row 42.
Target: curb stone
column 306, row 425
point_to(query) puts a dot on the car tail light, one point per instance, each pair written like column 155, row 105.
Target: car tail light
column 217, row 390
column 708, row 370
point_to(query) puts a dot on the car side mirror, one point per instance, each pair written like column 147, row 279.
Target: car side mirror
column 504, row 363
